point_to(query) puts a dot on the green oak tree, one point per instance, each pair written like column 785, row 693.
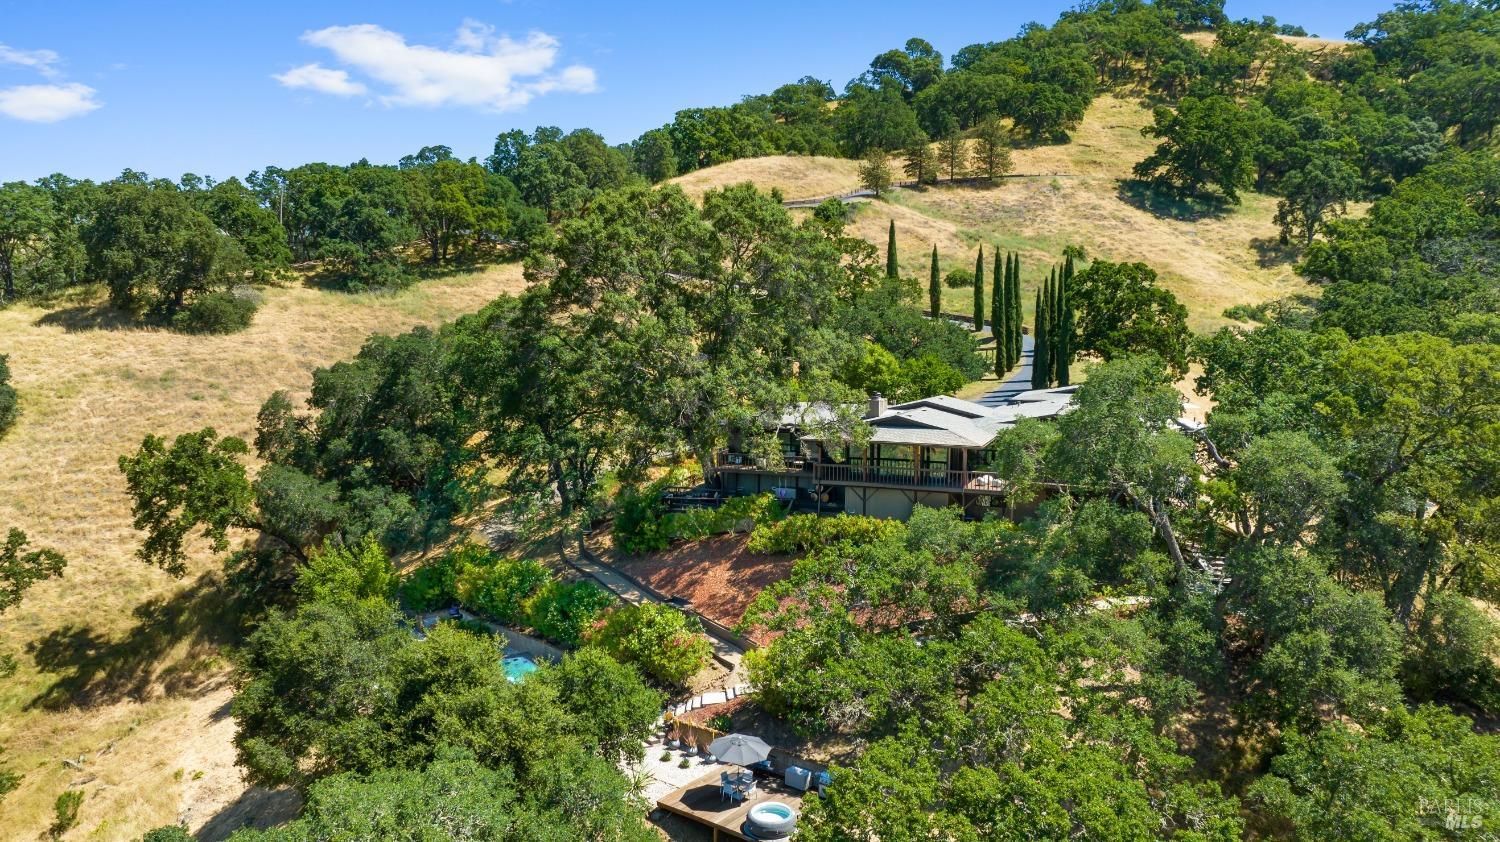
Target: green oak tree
column 20, row 568
column 1121, row 310
column 27, row 221
column 1206, row 143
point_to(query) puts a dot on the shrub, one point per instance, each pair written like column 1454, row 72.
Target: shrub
column 561, row 611
column 435, row 584
column 474, row 627
column 928, row 375
column 702, row 523
column 338, row 573
column 800, row 533
column 169, row 833
column 665, row 644
column 1248, row 313
column 638, row 523
column 8, row 410
column 642, row 526
column 216, row 312
column 959, row 279
column 65, row 812
column 501, row 588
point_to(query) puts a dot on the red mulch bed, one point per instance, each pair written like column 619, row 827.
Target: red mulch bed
column 719, row 576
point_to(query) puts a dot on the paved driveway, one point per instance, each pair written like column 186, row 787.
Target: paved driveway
column 1019, row 380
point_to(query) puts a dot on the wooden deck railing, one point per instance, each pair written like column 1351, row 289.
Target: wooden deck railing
column 747, row 462
column 885, row 472
column 905, row 476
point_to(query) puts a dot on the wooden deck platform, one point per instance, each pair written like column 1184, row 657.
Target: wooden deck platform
column 700, row 802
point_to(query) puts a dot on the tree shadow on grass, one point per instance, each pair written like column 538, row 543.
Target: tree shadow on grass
column 85, row 317
column 1170, row 204
column 256, row 807
column 94, row 668
column 414, row 266
column 1271, row 252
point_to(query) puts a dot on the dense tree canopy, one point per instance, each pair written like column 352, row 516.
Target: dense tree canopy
column 1121, row 310
column 1269, row 623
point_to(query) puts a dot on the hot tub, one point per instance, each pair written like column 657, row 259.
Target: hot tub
column 518, row 667
column 770, row 820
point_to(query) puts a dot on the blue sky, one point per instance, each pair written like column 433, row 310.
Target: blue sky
column 222, row 88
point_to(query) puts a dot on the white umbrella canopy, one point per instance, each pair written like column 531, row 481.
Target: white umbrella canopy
column 740, row 749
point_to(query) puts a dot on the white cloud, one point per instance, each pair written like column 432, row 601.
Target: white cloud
column 47, row 103
column 319, row 78
column 42, row 61
column 481, row 70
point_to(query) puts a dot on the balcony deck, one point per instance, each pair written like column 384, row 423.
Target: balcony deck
column 882, row 473
column 701, row 802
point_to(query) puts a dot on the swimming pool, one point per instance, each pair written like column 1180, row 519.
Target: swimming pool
column 518, row 667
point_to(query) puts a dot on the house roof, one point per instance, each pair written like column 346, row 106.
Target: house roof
column 946, row 421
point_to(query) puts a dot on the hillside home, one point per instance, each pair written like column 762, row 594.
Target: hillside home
column 933, row 452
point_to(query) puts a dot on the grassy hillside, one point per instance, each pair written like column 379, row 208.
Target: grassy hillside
column 1311, row 44
column 121, row 671
column 1073, row 193
column 120, row 668
column 796, row 177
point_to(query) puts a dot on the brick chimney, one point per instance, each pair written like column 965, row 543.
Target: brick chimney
column 877, row 406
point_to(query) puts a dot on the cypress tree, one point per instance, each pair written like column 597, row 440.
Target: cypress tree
column 1054, row 328
column 1062, row 345
column 997, row 295
column 935, row 287
column 1039, row 344
column 891, row 271
column 1012, row 301
column 999, row 310
column 979, row 291
column 1015, row 307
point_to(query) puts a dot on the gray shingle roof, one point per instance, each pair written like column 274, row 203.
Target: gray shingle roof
column 946, row 421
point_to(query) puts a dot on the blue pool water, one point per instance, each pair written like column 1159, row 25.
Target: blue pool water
column 518, row 667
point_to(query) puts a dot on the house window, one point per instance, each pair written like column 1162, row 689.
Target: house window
column 895, row 454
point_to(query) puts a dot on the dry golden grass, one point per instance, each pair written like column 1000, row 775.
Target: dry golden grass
column 1057, row 195
column 1306, row 43
column 1071, row 194
column 798, row 177
column 119, row 663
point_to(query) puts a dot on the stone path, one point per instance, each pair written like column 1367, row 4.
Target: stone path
column 712, row 697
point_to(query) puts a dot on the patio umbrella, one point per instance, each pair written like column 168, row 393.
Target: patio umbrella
column 740, row 749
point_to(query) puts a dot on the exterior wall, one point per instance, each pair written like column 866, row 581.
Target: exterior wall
column 877, row 502
column 935, row 501
column 888, row 503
